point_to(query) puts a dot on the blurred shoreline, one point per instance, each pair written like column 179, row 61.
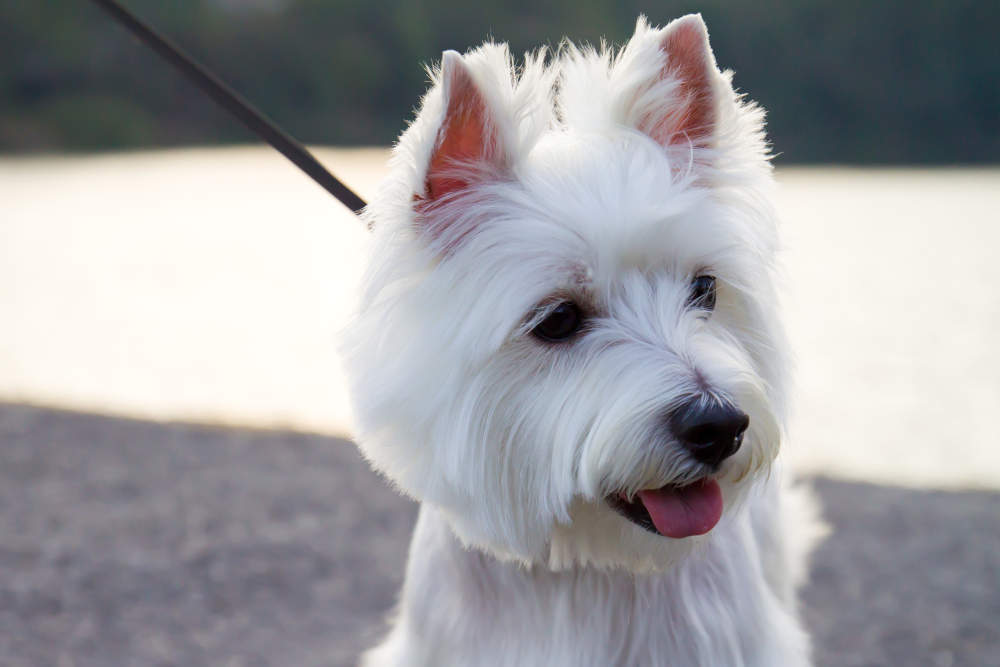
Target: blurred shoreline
column 208, row 285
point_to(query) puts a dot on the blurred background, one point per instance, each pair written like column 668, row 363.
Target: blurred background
column 177, row 484
column 892, row 82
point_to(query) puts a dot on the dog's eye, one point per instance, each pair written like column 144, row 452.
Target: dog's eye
column 560, row 325
column 702, row 293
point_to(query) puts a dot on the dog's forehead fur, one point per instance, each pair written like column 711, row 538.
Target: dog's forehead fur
column 581, row 216
column 615, row 202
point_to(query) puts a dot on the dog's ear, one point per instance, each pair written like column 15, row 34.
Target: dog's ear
column 689, row 117
column 467, row 140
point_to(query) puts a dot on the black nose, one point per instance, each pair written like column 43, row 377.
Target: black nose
column 712, row 432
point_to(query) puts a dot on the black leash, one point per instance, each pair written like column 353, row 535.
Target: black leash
column 236, row 105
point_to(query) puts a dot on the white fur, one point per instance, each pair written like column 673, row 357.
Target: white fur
column 512, row 445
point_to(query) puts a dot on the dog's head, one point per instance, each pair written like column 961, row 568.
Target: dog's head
column 567, row 341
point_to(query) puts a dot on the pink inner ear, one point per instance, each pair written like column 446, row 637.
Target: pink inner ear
column 465, row 136
column 689, row 59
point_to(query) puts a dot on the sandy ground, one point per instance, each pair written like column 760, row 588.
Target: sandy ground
column 208, row 286
column 128, row 543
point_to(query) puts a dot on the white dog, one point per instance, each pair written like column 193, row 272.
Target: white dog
column 568, row 350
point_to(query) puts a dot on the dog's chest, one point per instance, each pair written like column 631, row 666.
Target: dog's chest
column 464, row 608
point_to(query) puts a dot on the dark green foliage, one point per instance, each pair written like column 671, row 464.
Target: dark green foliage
column 894, row 81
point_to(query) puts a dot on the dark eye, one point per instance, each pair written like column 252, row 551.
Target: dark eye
column 702, row 293
column 560, row 324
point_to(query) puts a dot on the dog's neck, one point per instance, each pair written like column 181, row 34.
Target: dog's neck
column 715, row 603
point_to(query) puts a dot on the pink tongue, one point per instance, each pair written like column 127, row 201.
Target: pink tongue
column 686, row 511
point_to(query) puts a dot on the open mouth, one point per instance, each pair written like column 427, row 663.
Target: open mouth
column 673, row 511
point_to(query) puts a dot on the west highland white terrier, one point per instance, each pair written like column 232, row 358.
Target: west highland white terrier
column 568, row 350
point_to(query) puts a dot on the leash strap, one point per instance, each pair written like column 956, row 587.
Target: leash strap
column 235, row 104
